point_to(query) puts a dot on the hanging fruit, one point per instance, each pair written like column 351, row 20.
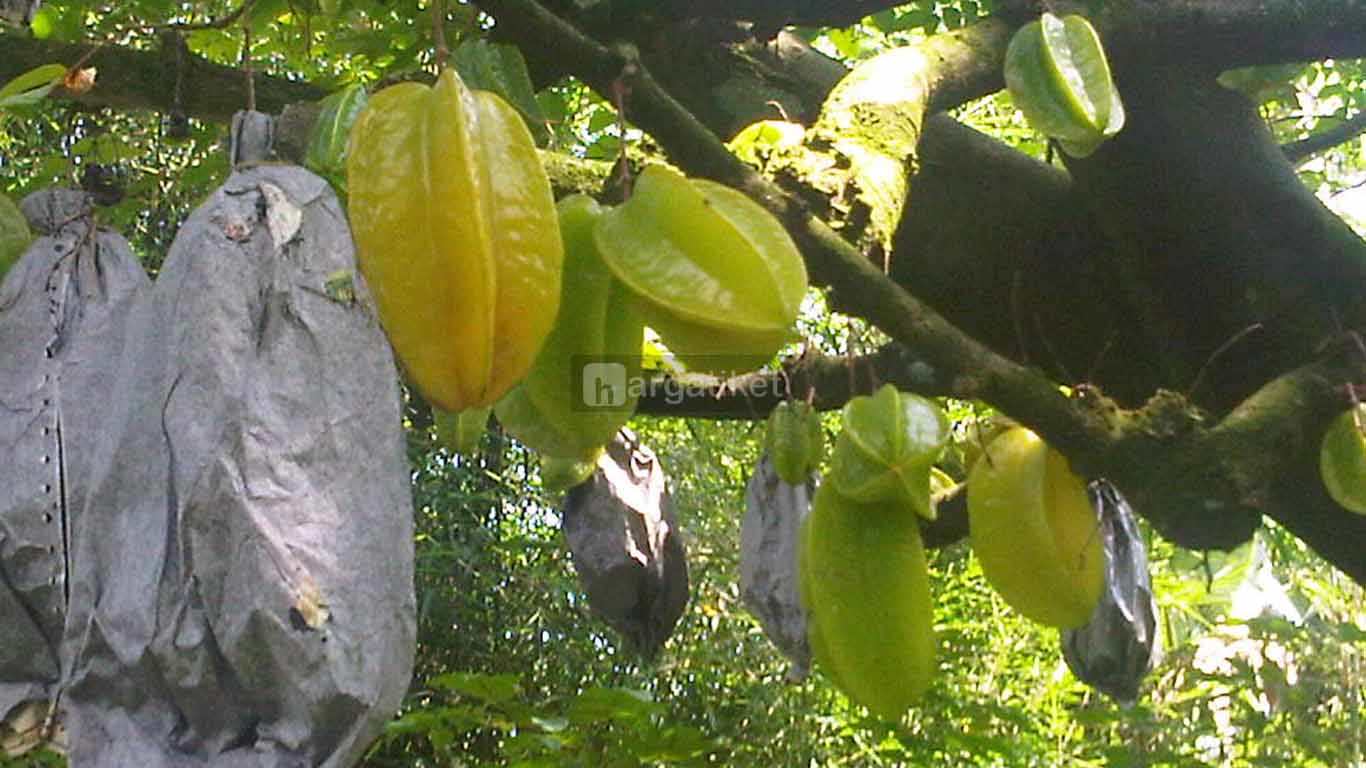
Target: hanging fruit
column 794, row 441
column 887, row 448
column 456, row 234
column 563, row 474
column 460, row 432
column 14, row 234
column 557, row 409
column 1342, row 460
column 865, row 586
column 330, row 136
column 713, row 272
column 1034, row 530
column 1058, row 75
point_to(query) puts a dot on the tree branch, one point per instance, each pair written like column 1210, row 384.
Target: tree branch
column 138, row 80
column 1354, row 126
column 1215, row 35
column 811, row 13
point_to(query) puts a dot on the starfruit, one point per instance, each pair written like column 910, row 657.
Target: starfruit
column 560, row 408
column 1058, row 75
column 14, row 234
column 886, row 449
column 865, row 586
column 457, row 236
column 1342, row 460
column 563, row 474
column 794, row 441
column 460, row 432
column 1034, row 530
column 714, row 273
column 329, row 139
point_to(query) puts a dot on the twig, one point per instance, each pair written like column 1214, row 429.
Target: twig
column 246, row 63
column 219, row 23
column 1325, row 140
column 1226, row 346
column 439, row 32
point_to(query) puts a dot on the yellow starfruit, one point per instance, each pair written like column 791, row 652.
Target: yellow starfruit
column 1034, row 530
column 456, row 234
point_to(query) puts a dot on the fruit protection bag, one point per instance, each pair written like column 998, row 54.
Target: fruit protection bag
column 626, row 547
column 243, row 586
column 1116, row 648
column 63, row 308
column 769, row 539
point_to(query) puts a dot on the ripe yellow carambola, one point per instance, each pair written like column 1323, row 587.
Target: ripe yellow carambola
column 714, row 273
column 1342, row 461
column 865, row 586
column 794, row 441
column 456, row 234
column 549, row 410
column 1034, row 530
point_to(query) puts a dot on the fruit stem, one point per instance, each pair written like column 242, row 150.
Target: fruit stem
column 439, row 32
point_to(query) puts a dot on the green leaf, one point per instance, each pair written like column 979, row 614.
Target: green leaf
column 32, row 86
column 14, row 234
column 599, row 704
column 501, row 69
column 490, row 688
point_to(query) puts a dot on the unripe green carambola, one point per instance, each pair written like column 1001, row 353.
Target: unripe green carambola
column 887, row 446
column 1058, row 76
column 794, row 441
column 865, row 586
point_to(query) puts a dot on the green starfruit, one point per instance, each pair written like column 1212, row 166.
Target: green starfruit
column 330, row 137
column 582, row 387
column 460, row 432
column 713, row 272
column 886, row 449
column 794, row 441
column 1342, row 460
column 865, row 586
column 1058, row 75
column 563, row 474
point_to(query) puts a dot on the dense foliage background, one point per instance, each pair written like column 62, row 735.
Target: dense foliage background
column 1264, row 652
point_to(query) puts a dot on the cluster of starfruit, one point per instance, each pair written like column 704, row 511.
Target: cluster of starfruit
column 862, row 569
column 496, row 298
column 1059, row 77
